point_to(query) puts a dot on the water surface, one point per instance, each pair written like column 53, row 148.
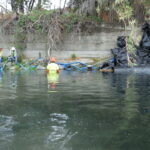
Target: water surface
column 80, row 111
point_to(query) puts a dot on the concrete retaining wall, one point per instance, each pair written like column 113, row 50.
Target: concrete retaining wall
column 96, row 44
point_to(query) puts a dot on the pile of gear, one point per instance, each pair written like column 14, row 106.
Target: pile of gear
column 11, row 58
column 12, row 63
column 120, row 53
column 121, row 57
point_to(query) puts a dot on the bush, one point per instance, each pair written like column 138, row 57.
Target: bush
column 73, row 56
column 20, row 58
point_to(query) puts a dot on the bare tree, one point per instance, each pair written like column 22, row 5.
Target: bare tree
column 30, row 4
column 64, row 5
column 39, row 5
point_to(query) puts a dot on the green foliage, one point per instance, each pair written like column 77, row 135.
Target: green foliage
column 130, row 45
column 93, row 19
column 133, row 38
column 147, row 9
column 146, row 2
column 43, row 21
column 71, row 19
column 22, row 21
column 20, row 46
column 31, row 21
column 38, row 20
column 35, row 14
column 20, row 39
column 95, row 60
column 34, row 20
column 20, row 58
column 123, row 9
column 125, row 13
column 73, row 56
column 5, row 59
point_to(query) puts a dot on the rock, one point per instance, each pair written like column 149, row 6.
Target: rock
column 41, row 68
column 86, row 60
column 83, row 60
column 9, row 64
column 1, row 65
column 121, row 41
column 143, row 51
column 12, row 68
column 120, row 53
column 120, row 58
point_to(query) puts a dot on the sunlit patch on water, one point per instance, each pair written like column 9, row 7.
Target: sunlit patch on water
column 60, row 135
column 58, row 129
column 57, row 134
column 6, row 129
column 145, row 70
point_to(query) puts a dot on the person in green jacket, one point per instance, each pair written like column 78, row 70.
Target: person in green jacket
column 52, row 73
column 52, row 67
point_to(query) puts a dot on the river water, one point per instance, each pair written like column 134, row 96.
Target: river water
column 78, row 111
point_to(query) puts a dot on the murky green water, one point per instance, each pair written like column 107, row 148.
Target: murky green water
column 83, row 111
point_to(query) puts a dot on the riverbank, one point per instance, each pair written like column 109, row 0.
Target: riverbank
column 95, row 43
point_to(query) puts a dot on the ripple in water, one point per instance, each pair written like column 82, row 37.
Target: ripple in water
column 6, row 129
column 60, row 135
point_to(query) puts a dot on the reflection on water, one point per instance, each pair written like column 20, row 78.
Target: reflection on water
column 52, row 80
column 6, row 131
column 60, row 134
column 89, row 111
column 1, row 78
column 58, row 129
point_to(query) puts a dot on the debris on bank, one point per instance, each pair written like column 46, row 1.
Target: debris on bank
column 143, row 51
column 122, row 58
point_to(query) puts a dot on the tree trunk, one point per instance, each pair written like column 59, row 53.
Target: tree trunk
column 21, row 7
column 31, row 4
column 14, row 5
column 39, row 5
column 88, row 8
column 139, row 11
column 64, row 6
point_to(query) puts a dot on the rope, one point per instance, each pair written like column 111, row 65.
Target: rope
column 35, row 60
column 72, row 66
column 77, row 66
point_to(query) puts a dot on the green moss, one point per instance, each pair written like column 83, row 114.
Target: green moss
column 73, row 56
